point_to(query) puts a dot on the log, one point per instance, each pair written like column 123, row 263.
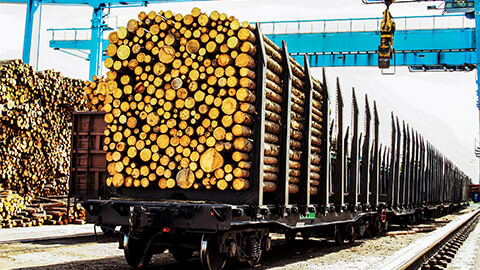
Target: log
column 270, row 127
column 211, row 160
column 274, row 66
column 241, row 131
column 274, row 117
column 273, row 106
column 270, row 176
column 271, row 150
column 185, row 178
column 273, row 86
column 243, row 144
column 240, row 184
column 292, row 188
column 245, row 34
column 271, row 138
column 270, row 169
column 269, row 186
column 244, row 60
column 273, row 77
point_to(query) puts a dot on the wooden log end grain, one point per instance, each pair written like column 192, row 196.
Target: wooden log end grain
column 211, row 160
column 166, row 54
column 240, row 184
column 185, row 178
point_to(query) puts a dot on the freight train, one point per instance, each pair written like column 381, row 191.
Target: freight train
column 357, row 189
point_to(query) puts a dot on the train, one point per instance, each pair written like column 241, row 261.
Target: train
column 363, row 186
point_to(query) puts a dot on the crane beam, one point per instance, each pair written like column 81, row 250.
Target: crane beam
column 439, row 47
column 32, row 31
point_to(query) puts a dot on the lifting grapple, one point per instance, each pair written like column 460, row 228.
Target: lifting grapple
column 387, row 29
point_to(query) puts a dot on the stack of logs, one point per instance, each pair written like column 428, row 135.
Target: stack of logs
column 316, row 135
column 35, row 123
column 25, row 211
column 273, row 112
column 179, row 99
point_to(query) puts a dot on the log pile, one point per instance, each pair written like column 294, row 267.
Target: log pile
column 180, row 99
column 25, row 211
column 317, row 133
column 35, row 123
column 273, row 121
column 297, row 116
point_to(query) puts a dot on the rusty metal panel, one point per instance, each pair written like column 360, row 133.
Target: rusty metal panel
column 88, row 163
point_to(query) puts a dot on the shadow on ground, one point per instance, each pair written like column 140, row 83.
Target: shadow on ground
column 280, row 255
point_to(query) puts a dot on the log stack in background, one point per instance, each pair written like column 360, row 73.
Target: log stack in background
column 28, row 211
column 35, row 130
column 35, row 123
column 180, row 97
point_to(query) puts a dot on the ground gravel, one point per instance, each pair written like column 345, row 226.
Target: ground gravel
column 88, row 252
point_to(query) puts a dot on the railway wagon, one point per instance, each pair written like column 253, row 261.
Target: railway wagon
column 309, row 180
column 474, row 192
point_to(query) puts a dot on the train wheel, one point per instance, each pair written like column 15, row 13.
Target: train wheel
column 182, row 254
column 135, row 252
column 413, row 219
column 385, row 225
column 290, row 236
column 306, row 235
column 377, row 226
column 350, row 233
column 339, row 236
column 210, row 258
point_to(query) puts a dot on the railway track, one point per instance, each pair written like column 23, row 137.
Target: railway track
column 437, row 250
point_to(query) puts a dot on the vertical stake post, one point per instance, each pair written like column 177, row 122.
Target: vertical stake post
column 352, row 197
column 338, row 181
column 259, row 129
column 282, row 194
column 376, row 159
column 304, row 188
column 323, row 191
column 365, row 167
column 391, row 184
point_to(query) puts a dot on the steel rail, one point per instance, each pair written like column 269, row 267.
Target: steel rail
column 419, row 252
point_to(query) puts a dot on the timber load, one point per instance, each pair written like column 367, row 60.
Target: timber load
column 35, row 128
column 184, row 99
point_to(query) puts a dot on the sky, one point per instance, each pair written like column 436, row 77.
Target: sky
column 440, row 105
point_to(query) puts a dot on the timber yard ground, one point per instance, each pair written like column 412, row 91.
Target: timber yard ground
column 76, row 247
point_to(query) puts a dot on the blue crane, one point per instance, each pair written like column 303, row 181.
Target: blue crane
column 346, row 42
column 93, row 47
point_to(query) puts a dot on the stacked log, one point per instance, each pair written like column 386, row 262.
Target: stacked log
column 179, row 100
column 27, row 211
column 35, row 123
column 10, row 206
column 317, row 133
column 274, row 93
column 297, row 117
